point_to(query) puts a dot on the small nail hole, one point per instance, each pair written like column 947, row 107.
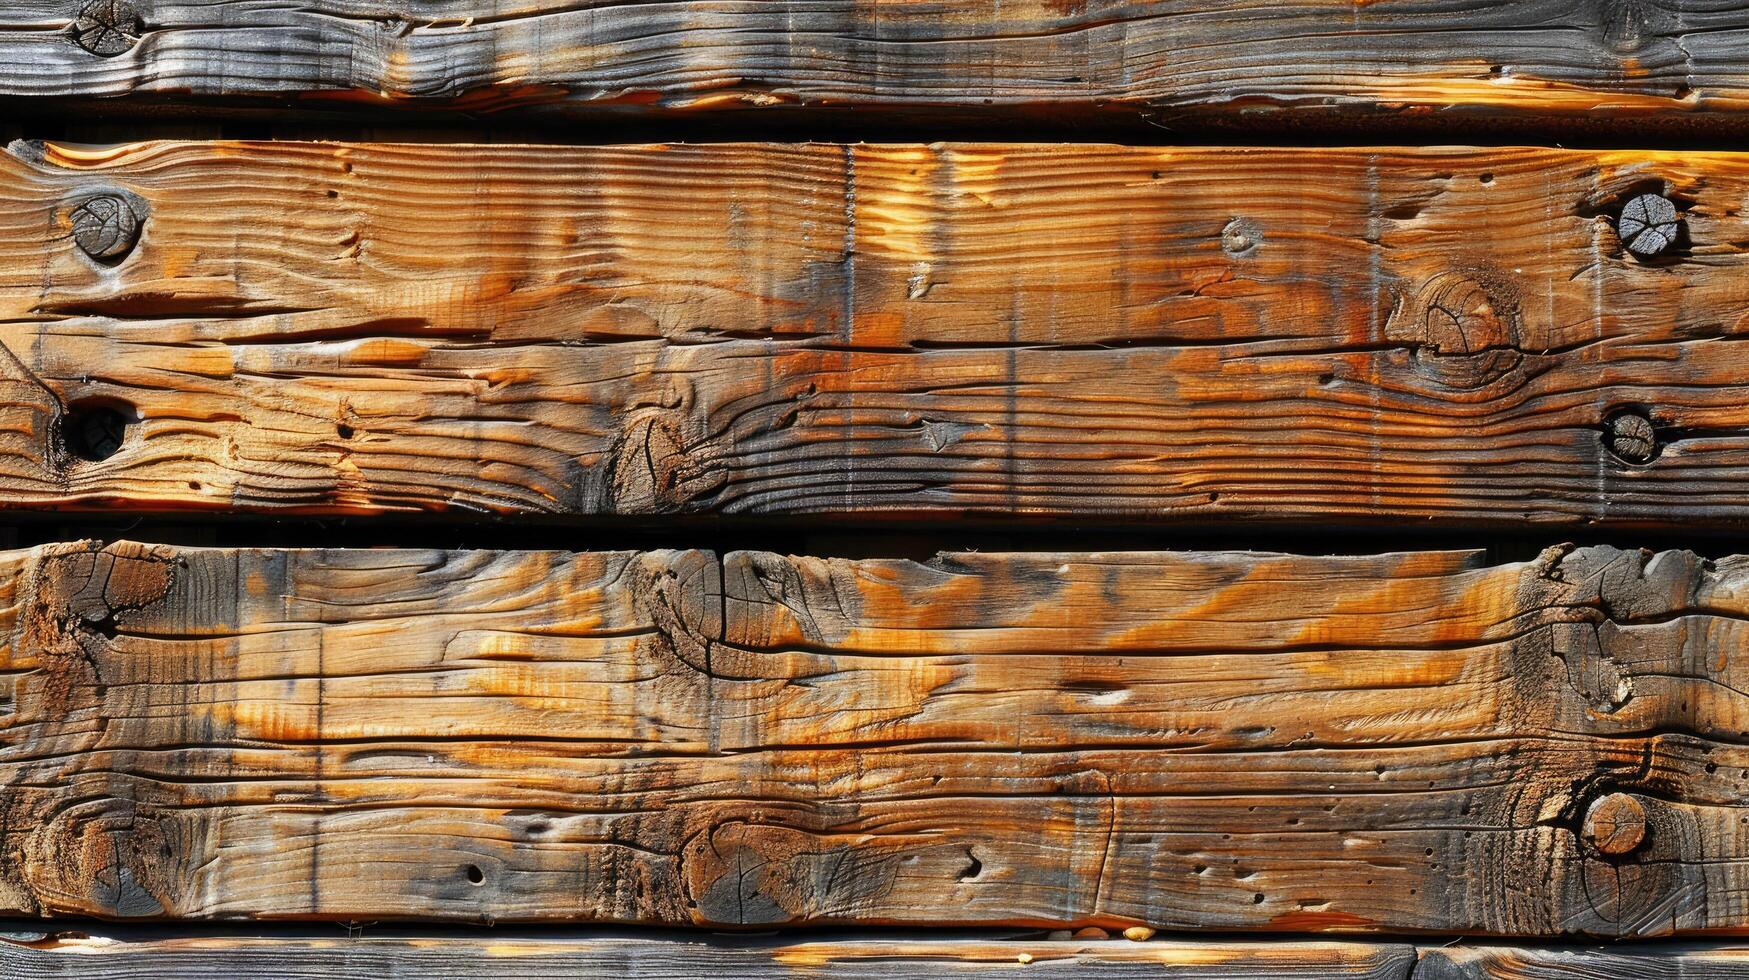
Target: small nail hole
column 95, row 430
column 474, row 873
column 344, row 430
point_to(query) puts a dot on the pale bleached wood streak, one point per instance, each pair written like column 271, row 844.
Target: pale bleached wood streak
column 1633, row 63
column 1401, row 743
column 1082, row 331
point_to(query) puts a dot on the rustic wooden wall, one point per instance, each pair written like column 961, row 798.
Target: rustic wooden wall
column 1187, row 274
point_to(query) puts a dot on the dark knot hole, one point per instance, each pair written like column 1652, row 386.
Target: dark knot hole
column 96, row 429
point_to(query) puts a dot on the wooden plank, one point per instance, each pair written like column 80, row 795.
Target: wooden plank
column 1222, row 741
column 515, row 956
column 1623, row 64
column 1087, row 332
column 518, row 957
column 1619, row 962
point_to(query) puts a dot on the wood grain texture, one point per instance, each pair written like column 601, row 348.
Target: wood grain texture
column 514, row 958
column 1401, row 743
column 1078, row 331
column 1171, row 62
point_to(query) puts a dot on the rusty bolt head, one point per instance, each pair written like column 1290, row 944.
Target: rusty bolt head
column 1648, row 225
column 1631, row 438
column 1615, row 824
column 106, row 227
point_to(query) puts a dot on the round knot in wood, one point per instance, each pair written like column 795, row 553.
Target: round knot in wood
column 1631, row 438
column 1615, row 824
column 108, row 27
column 106, row 227
column 1648, row 225
column 1241, row 237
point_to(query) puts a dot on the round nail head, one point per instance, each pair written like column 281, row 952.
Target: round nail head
column 1615, row 824
column 1648, row 225
column 106, row 227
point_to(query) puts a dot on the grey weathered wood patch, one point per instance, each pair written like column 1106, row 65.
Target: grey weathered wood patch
column 1634, row 63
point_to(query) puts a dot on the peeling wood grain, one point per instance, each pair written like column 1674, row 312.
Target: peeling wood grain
column 1221, row 741
column 1169, row 63
column 1085, row 331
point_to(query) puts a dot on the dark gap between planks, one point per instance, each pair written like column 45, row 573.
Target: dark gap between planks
column 828, row 537
column 125, row 122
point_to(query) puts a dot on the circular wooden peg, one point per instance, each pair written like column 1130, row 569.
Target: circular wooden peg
column 1648, row 225
column 107, row 28
column 1631, row 437
column 1615, row 824
column 106, row 227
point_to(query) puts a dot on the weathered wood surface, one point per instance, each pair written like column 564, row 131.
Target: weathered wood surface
column 1401, row 743
column 516, row 958
column 1085, row 331
column 1170, row 62
column 513, row 957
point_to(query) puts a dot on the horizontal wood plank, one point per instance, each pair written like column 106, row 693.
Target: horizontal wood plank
column 514, row 958
column 379, row 953
column 1085, row 331
column 1215, row 740
column 1168, row 63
